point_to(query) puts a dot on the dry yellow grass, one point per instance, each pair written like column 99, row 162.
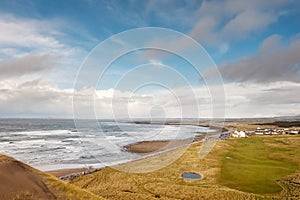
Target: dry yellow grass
column 65, row 190
column 167, row 183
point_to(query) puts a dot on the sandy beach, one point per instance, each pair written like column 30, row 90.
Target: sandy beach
column 64, row 172
column 145, row 147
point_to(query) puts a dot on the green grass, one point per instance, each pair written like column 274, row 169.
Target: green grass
column 256, row 164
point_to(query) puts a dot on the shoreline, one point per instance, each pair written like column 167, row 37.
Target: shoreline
column 144, row 148
column 64, row 172
column 202, row 124
column 69, row 174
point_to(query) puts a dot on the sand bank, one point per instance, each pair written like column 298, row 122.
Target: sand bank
column 145, row 147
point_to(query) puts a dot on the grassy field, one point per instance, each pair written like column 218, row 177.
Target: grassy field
column 235, row 169
column 253, row 165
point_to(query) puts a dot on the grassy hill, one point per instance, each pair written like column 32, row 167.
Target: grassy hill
column 20, row 181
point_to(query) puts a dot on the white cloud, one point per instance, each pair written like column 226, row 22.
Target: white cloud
column 32, row 47
column 224, row 21
column 26, row 65
column 248, row 22
column 34, row 99
column 205, row 30
column 39, row 99
column 25, row 33
column 215, row 22
column 262, row 100
column 23, row 36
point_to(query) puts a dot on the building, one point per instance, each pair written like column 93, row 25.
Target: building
column 293, row 132
column 238, row 134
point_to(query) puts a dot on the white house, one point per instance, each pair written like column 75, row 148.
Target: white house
column 238, row 134
column 235, row 134
column 242, row 134
column 293, row 132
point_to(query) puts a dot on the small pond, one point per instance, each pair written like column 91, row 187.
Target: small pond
column 191, row 175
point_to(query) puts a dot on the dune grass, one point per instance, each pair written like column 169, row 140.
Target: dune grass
column 65, row 190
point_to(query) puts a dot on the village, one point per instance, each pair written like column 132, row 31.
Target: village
column 264, row 131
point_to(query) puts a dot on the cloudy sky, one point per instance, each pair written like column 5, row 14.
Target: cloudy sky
column 254, row 45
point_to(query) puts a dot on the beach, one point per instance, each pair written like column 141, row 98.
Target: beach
column 146, row 148
column 50, row 144
column 63, row 172
column 143, row 148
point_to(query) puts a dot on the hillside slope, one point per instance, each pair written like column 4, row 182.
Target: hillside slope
column 20, row 181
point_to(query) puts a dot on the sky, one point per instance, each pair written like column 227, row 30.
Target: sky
column 253, row 46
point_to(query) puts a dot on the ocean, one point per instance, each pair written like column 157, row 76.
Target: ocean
column 50, row 144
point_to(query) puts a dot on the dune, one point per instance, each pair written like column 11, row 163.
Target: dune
column 20, row 181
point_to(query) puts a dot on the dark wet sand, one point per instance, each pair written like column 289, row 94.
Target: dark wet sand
column 145, row 147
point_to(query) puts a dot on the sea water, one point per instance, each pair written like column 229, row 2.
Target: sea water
column 49, row 144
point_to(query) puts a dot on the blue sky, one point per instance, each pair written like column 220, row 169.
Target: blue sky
column 254, row 44
column 85, row 23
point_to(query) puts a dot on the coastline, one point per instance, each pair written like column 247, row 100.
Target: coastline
column 170, row 177
column 145, row 148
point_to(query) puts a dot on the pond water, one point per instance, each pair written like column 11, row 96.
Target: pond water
column 191, row 175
